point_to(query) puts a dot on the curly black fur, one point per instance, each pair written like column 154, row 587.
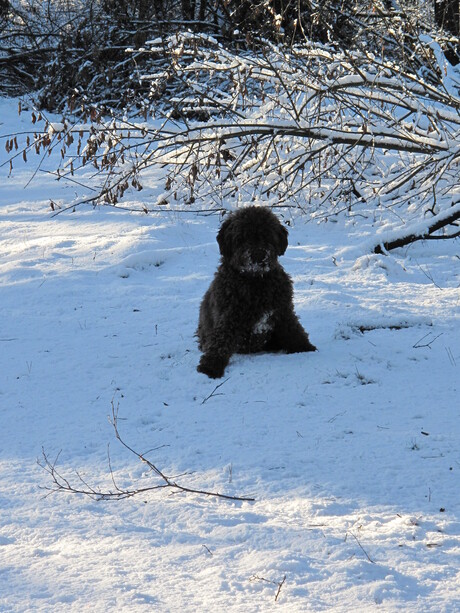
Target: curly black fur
column 249, row 307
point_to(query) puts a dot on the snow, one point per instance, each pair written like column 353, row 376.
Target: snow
column 351, row 453
column 55, row 127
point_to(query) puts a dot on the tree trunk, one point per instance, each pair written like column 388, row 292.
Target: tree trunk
column 447, row 17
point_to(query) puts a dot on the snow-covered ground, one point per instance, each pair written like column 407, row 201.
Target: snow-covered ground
column 352, row 454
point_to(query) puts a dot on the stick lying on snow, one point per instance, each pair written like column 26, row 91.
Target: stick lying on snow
column 421, row 230
column 60, row 483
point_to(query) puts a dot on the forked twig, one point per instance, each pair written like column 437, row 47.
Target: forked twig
column 428, row 344
column 213, row 393
column 60, row 483
column 278, row 583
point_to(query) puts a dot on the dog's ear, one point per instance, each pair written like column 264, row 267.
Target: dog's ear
column 282, row 240
column 224, row 240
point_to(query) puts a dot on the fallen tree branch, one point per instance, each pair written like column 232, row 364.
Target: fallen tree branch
column 60, row 483
column 421, row 231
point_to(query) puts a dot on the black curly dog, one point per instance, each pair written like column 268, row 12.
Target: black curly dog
column 248, row 307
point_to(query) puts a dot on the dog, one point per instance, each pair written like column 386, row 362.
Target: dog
column 248, row 307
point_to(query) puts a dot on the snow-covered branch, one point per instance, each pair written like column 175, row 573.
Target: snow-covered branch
column 292, row 124
column 308, row 127
column 421, row 230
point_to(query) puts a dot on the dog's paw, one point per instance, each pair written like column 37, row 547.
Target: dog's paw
column 213, row 366
column 301, row 346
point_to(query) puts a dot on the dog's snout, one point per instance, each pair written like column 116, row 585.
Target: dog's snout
column 259, row 255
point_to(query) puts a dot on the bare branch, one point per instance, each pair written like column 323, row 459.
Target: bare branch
column 60, row 483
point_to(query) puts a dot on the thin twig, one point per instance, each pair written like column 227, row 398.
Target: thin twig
column 362, row 548
column 213, row 393
column 419, row 343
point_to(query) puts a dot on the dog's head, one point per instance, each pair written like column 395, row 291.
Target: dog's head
column 251, row 239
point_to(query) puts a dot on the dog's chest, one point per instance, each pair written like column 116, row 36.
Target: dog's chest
column 257, row 333
column 263, row 325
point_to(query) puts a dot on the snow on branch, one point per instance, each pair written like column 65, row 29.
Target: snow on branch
column 307, row 127
column 292, row 126
column 421, row 230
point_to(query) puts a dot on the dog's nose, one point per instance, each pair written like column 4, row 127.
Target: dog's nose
column 259, row 255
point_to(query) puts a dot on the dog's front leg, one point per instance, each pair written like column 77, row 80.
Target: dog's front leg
column 217, row 351
column 213, row 364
